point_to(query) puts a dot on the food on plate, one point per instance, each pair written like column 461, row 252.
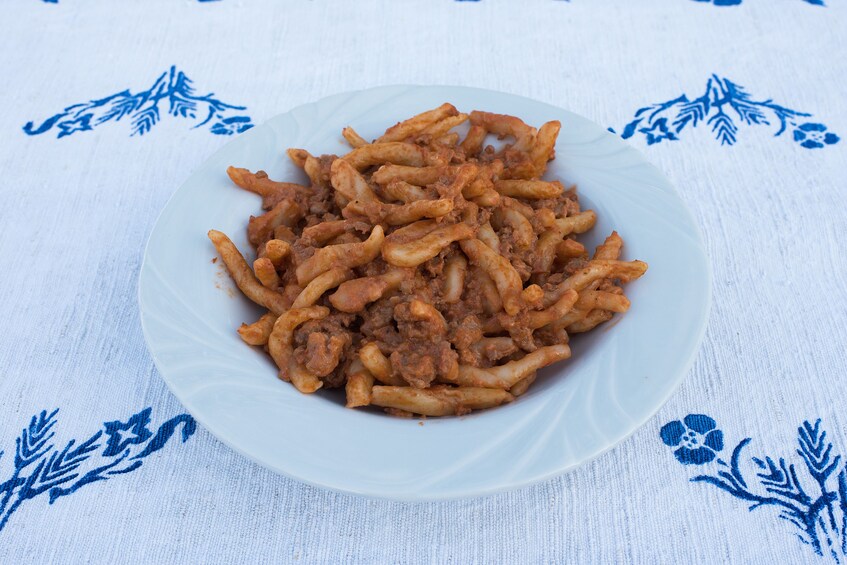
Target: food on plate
column 427, row 272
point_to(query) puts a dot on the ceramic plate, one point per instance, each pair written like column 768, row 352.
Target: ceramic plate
column 619, row 376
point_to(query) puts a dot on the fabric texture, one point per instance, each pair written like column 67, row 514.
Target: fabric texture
column 106, row 109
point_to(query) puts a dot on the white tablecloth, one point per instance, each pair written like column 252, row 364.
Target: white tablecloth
column 745, row 104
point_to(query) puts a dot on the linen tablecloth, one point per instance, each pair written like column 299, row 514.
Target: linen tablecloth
column 108, row 106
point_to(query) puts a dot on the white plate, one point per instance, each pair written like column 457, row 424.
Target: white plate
column 618, row 377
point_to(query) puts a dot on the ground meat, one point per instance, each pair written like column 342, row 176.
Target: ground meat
column 308, row 222
column 473, row 297
column 519, row 330
column 417, row 368
column 556, row 205
column 566, row 205
column 388, row 338
column 573, row 265
column 523, row 268
column 329, row 217
column 542, row 219
column 283, row 191
column 376, row 316
column 424, row 353
column 518, row 164
column 488, row 154
column 374, row 268
column 538, row 278
column 356, row 226
column 302, row 249
column 465, row 331
column 435, row 266
column 323, row 353
column 344, row 238
column 380, row 325
column 417, row 327
column 420, row 287
column 420, row 363
column 608, row 285
column 553, row 281
column 551, row 336
column 290, row 288
column 441, row 154
column 521, row 261
column 571, row 195
column 469, row 357
column 321, row 345
column 325, row 162
column 486, row 352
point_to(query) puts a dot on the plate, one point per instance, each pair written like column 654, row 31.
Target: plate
column 618, row 377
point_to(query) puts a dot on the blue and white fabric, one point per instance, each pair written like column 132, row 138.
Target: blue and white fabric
column 105, row 109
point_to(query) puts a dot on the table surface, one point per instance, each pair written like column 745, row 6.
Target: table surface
column 108, row 107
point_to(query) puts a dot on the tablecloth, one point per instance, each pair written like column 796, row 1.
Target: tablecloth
column 106, row 107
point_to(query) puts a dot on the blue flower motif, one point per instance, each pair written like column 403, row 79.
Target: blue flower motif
column 658, row 131
column 811, row 501
column 230, row 126
column 696, row 437
column 137, row 428
column 814, row 136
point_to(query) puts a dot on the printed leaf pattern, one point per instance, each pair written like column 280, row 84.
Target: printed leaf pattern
column 818, row 511
column 737, row 2
column 57, row 1
column 715, row 2
column 172, row 95
column 39, row 467
column 724, row 107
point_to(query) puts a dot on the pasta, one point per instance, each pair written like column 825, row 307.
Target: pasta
column 425, row 272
